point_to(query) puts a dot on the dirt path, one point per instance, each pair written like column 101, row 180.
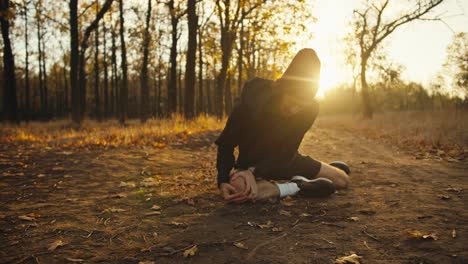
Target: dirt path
column 103, row 207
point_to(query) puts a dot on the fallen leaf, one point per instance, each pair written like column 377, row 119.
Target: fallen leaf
column 444, row 197
column 153, row 213
column 277, row 229
column 240, row 245
column 191, row 251
column 27, row 218
column 351, row 259
column 119, row 195
column 452, row 189
column 149, row 182
column 40, row 175
column 127, row 184
column 268, row 224
column 367, row 212
column 284, row 212
column 419, row 235
column 155, row 207
column 56, row 244
column 354, row 218
column 305, row 214
column 454, row 233
column 114, row 210
column 75, row 260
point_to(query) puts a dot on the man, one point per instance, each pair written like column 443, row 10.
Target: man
column 268, row 124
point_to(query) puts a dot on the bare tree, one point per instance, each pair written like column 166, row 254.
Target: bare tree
column 176, row 15
column 9, row 94
column 189, row 108
column 370, row 30
column 78, row 58
column 144, row 68
column 230, row 14
column 124, row 87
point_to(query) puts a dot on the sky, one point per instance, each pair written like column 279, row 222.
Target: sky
column 419, row 46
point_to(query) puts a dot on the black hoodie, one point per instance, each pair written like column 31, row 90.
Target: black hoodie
column 267, row 140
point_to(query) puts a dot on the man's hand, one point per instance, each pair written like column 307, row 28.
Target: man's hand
column 250, row 192
column 229, row 192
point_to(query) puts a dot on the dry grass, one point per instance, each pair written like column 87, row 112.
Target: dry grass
column 155, row 132
column 443, row 133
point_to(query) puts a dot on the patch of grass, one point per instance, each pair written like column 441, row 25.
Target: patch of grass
column 443, row 133
column 62, row 133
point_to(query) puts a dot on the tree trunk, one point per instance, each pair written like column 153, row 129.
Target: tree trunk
column 201, row 101
column 41, row 74
column 172, row 83
column 65, row 90
column 74, row 61
column 27, row 86
column 191, row 56
column 144, row 69
column 106, row 69
column 367, row 111
column 9, row 86
column 228, row 93
column 97, row 111
column 124, row 88
column 227, row 39
column 240, row 59
column 44, row 74
column 114, row 83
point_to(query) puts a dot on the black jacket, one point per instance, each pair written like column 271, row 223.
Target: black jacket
column 266, row 139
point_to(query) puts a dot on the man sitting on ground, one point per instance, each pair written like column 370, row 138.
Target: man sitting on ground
column 268, row 124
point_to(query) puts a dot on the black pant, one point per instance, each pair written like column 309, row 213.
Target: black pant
column 302, row 165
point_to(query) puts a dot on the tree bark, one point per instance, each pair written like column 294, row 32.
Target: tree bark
column 9, row 94
column 114, row 79
column 191, row 56
column 172, row 83
column 124, row 87
column 97, row 110
column 144, row 69
column 82, row 78
column 367, row 111
column 27, row 85
column 201, row 101
column 74, row 61
column 106, row 69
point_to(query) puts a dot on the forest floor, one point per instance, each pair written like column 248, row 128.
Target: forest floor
column 133, row 204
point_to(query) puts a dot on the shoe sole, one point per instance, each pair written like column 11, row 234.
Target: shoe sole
column 341, row 165
column 320, row 187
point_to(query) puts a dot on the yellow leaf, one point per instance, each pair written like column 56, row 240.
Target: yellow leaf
column 191, row 251
column 240, row 245
column 351, row 259
column 419, row 235
column 156, row 207
column 56, row 244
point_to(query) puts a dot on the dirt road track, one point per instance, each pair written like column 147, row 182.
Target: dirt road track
column 98, row 203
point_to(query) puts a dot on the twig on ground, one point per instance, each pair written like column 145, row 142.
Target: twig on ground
column 170, row 253
column 252, row 253
column 332, row 224
column 369, row 235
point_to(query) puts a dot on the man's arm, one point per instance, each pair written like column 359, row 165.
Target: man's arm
column 226, row 142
